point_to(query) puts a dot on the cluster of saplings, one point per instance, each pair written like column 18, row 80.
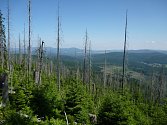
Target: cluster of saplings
column 44, row 104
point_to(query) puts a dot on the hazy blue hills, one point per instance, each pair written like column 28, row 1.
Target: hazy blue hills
column 76, row 51
column 140, row 61
column 112, row 56
column 136, row 60
column 142, row 57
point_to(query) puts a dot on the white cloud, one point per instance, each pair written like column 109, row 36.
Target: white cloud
column 151, row 42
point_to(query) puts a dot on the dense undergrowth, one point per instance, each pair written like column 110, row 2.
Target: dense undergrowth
column 43, row 104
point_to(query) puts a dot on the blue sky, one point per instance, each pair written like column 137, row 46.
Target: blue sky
column 104, row 20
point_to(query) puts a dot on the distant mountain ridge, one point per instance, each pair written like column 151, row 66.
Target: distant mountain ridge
column 77, row 52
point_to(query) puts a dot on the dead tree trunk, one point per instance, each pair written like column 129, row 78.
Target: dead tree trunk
column 85, row 58
column 58, row 51
column 124, row 56
column 9, row 56
column 41, row 62
column 2, row 55
column 1, row 48
column 29, row 39
column 2, row 38
column 8, row 38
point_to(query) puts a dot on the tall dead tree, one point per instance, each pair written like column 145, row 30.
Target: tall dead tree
column 2, row 41
column 41, row 62
column 58, row 50
column 39, row 53
column 29, row 39
column 37, row 64
column 124, row 54
column 85, row 58
column 9, row 56
column 8, row 18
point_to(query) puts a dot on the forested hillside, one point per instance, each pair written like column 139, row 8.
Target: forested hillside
column 48, row 86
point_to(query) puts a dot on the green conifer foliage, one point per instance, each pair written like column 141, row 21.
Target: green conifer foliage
column 78, row 103
column 117, row 109
column 46, row 102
